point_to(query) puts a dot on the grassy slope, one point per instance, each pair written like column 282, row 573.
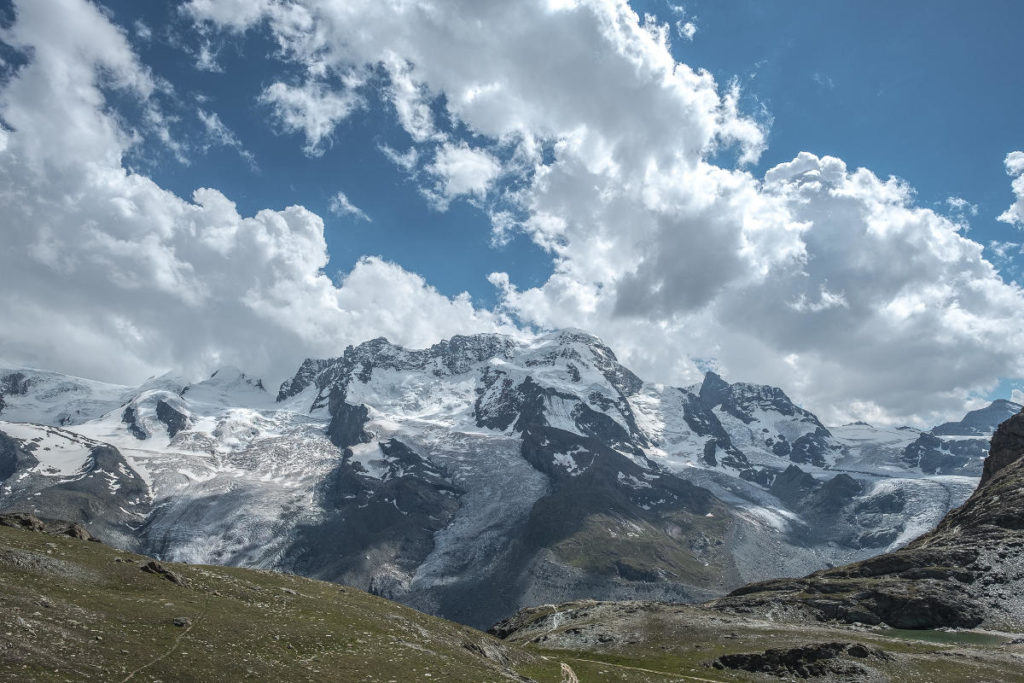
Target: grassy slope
column 603, row 541
column 74, row 610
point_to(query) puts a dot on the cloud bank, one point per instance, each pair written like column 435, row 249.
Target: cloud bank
column 1015, row 169
column 823, row 279
column 566, row 121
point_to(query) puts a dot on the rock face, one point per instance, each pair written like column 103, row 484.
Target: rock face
column 12, row 384
column 130, row 418
column 90, row 482
column 174, row 419
column 934, row 455
column 28, row 522
column 1007, row 448
column 348, row 422
column 959, row 447
column 968, row 572
column 13, row 458
column 382, row 505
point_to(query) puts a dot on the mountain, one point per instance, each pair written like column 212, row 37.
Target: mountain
column 959, row 447
column 54, row 399
column 982, row 422
column 71, row 477
column 544, row 467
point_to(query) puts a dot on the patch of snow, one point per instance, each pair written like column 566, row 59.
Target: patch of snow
column 59, row 451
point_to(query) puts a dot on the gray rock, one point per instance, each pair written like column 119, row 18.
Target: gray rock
column 174, row 419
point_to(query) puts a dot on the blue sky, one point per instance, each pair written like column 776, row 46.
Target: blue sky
column 638, row 203
column 920, row 90
column 925, row 91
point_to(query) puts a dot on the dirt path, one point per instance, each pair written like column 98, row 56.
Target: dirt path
column 649, row 671
column 174, row 646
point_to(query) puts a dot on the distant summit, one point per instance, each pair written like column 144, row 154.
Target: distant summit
column 981, row 422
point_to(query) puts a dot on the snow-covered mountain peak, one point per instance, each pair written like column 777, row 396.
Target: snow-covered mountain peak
column 745, row 399
column 229, row 387
column 52, row 398
column 571, row 337
column 231, row 377
column 450, row 356
column 168, row 381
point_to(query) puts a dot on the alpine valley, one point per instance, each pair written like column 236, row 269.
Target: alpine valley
column 480, row 476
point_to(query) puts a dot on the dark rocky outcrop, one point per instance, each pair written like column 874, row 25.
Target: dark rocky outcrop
column 130, row 418
column 1007, row 448
column 13, row 458
column 378, row 526
column 824, row 501
column 154, row 567
column 793, row 485
column 811, row 448
column 305, row 377
column 174, row 419
column 54, row 527
column 13, row 384
column 816, row 660
column 348, row 422
column 934, row 455
column 968, row 572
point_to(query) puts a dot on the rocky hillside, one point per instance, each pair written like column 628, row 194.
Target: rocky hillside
column 968, row 572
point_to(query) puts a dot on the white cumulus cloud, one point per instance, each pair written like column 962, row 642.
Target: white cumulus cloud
column 826, row 280
column 341, row 205
column 311, row 109
column 822, row 279
column 1015, row 169
column 107, row 274
column 461, row 171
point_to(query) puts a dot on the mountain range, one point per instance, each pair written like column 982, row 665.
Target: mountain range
column 481, row 475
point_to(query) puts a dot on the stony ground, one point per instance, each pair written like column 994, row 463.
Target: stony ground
column 679, row 642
